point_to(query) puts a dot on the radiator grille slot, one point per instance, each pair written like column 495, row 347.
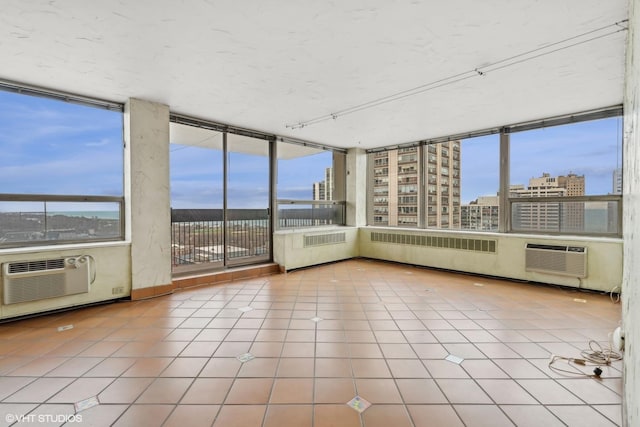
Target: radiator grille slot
column 460, row 243
column 40, row 265
column 324, row 239
column 556, row 259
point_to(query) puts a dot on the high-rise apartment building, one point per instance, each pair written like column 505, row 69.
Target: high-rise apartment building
column 397, row 180
column 573, row 183
column 323, row 190
column 617, row 181
column 556, row 216
column 481, row 214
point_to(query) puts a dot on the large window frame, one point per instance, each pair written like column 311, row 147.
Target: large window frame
column 304, row 213
column 48, row 202
column 505, row 202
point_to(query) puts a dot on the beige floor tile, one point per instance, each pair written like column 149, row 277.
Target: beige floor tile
column 207, row 391
column 296, row 367
column 124, row 390
column 382, row 391
column 434, row 415
column 549, row 392
column 531, row 416
column 81, row 389
column 221, row 367
column 415, row 391
column 39, row 390
column 144, row 416
column 292, row 390
column 506, row 392
column 246, row 391
column 580, row 415
column 370, row 368
column 461, row 391
column 165, row 390
column 289, row 416
column 386, row 331
column 184, row 367
column 334, row 390
column 387, row 415
column 240, row 416
column 333, row 368
column 482, row 416
column 407, row 368
column 335, row 416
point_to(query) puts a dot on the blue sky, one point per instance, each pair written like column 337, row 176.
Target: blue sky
column 589, row 148
column 52, row 147
column 196, row 178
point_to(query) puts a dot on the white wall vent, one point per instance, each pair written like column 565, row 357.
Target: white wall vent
column 556, row 259
column 461, row 243
column 39, row 279
column 324, row 239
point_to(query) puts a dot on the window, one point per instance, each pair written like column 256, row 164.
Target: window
column 311, row 185
column 477, row 183
column 570, row 169
column 61, row 172
column 564, row 179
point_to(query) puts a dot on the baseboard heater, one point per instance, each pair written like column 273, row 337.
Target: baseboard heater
column 556, row 259
column 45, row 278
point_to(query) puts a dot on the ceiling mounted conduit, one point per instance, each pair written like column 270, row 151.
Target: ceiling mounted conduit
column 477, row 72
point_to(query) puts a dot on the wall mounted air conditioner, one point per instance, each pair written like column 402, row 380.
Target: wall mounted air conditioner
column 556, row 259
column 46, row 278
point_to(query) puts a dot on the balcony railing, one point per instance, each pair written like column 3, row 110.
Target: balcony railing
column 310, row 213
column 33, row 219
column 581, row 215
column 197, row 234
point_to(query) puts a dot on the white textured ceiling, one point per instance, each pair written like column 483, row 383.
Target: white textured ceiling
column 267, row 64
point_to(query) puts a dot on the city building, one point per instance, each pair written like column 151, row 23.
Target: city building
column 617, row 181
column 549, row 216
column 323, row 190
column 482, row 214
column 397, row 199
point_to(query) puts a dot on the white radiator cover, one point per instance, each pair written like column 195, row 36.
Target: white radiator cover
column 45, row 278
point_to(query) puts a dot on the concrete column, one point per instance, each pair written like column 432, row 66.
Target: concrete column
column 631, row 224
column 356, row 187
column 147, row 199
column 504, row 218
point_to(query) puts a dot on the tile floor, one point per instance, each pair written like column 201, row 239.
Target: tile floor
column 379, row 330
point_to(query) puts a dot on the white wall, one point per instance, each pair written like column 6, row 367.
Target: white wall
column 631, row 221
column 112, row 270
column 604, row 256
column 143, row 260
column 289, row 250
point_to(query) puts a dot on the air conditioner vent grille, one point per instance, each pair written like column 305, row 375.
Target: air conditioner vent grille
column 460, row 243
column 556, row 259
column 324, row 239
column 32, row 266
column 24, row 281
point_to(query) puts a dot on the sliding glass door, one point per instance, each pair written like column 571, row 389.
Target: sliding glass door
column 247, row 224
column 220, row 199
